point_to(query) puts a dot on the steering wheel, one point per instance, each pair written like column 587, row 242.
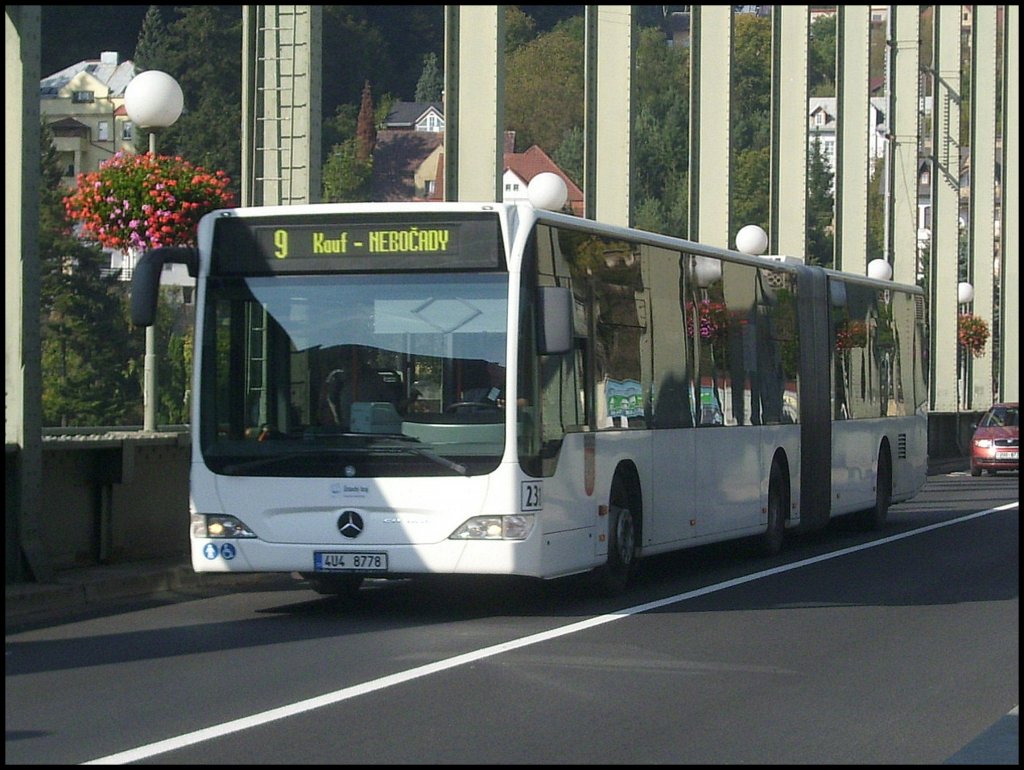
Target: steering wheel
column 471, row 405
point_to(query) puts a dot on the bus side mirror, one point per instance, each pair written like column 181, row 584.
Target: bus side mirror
column 146, row 279
column 555, row 320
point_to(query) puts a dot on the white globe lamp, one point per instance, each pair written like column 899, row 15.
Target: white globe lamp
column 752, row 240
column 547, row 190
column 707, row 271
column 880, row 269
column 964, row 293
column 153, row 99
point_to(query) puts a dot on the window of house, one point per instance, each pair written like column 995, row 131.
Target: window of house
column 126, row 131
column 103, row 131
column 82, row 97
column 431, row 123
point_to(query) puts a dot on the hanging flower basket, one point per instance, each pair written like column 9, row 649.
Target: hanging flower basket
column 145, row 201
column 851, row 334
column 713, row 318
column 973, row 333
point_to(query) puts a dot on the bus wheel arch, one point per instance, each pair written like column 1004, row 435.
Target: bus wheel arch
column 779, row 492
column 874, row 518
column 625, row 508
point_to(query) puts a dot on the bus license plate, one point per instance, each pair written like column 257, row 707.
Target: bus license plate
column 341, row 561
column 1006, row 455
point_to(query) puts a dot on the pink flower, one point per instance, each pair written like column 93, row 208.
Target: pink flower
column 129, row 200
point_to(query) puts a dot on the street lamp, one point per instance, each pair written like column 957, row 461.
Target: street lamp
column 880, row 269
column 153, row 99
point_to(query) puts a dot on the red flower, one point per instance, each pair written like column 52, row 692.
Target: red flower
column 128, row 203
column 973, row 333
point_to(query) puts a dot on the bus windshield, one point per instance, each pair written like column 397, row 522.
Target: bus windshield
column 354, row 374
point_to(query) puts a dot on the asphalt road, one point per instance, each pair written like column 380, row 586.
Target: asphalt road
column 894, row 647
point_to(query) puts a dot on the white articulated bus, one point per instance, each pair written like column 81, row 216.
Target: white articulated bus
column 391, row 390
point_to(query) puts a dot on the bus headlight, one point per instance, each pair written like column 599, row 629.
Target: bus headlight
column 216, row 525
column 517, row 527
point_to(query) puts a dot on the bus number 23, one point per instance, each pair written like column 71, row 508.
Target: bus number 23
column 531, row 497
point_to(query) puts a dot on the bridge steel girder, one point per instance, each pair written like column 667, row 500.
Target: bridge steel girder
column 281, row 104
column 474, row 102
column 787, row 233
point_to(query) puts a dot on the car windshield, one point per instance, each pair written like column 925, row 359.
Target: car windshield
column 1001, row 417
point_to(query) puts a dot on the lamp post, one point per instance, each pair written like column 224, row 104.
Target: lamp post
column 964, row 297
column 153, row 99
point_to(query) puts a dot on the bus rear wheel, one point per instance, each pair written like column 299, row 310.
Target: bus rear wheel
column 778, row 504
column 874, row 518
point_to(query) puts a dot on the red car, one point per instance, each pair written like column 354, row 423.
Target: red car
column 995, row 445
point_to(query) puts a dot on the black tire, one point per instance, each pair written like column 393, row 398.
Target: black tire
column 770, row 543
column 874, row 518
column 975, row 471
column 335, row 585
column 615, row 574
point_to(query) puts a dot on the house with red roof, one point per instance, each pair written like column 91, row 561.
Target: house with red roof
column 408, row 161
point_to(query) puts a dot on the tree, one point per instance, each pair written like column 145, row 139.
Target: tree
column 366, row 132
column 431, row 83
column 544, row 87
column 519, row 28
column 150, row 49
column 346, row 177
column 207, row 133
column 85, row 348
column 661, row 134
column 820, row 209
column 821, row 56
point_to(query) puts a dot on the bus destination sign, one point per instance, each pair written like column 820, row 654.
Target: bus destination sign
column 331, row 244
column 306, row 241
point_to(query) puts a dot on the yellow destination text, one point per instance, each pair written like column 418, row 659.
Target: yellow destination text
column 324, row 245
column 383, row 241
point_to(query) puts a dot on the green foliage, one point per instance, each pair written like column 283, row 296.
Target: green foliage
column 207, row 133
column 85, row 346
column 431, row 82
column 876, row 210
column 750, row 188
column 150, row 49
column 544, row 87
column 519, row 28
column 821, row 57
column 346, row 177
column 661, row 135
column 569, row 154
column 820, row 209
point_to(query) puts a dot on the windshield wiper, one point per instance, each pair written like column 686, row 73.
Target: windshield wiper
column 422, row 452
column 398, row 443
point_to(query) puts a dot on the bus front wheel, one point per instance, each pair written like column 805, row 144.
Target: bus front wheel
column 614, row 575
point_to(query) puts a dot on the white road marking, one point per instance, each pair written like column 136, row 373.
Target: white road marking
column 347, row 693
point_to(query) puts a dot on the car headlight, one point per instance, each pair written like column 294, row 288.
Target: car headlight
column 982, row 443
column 516, row 527
column 218, row 525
